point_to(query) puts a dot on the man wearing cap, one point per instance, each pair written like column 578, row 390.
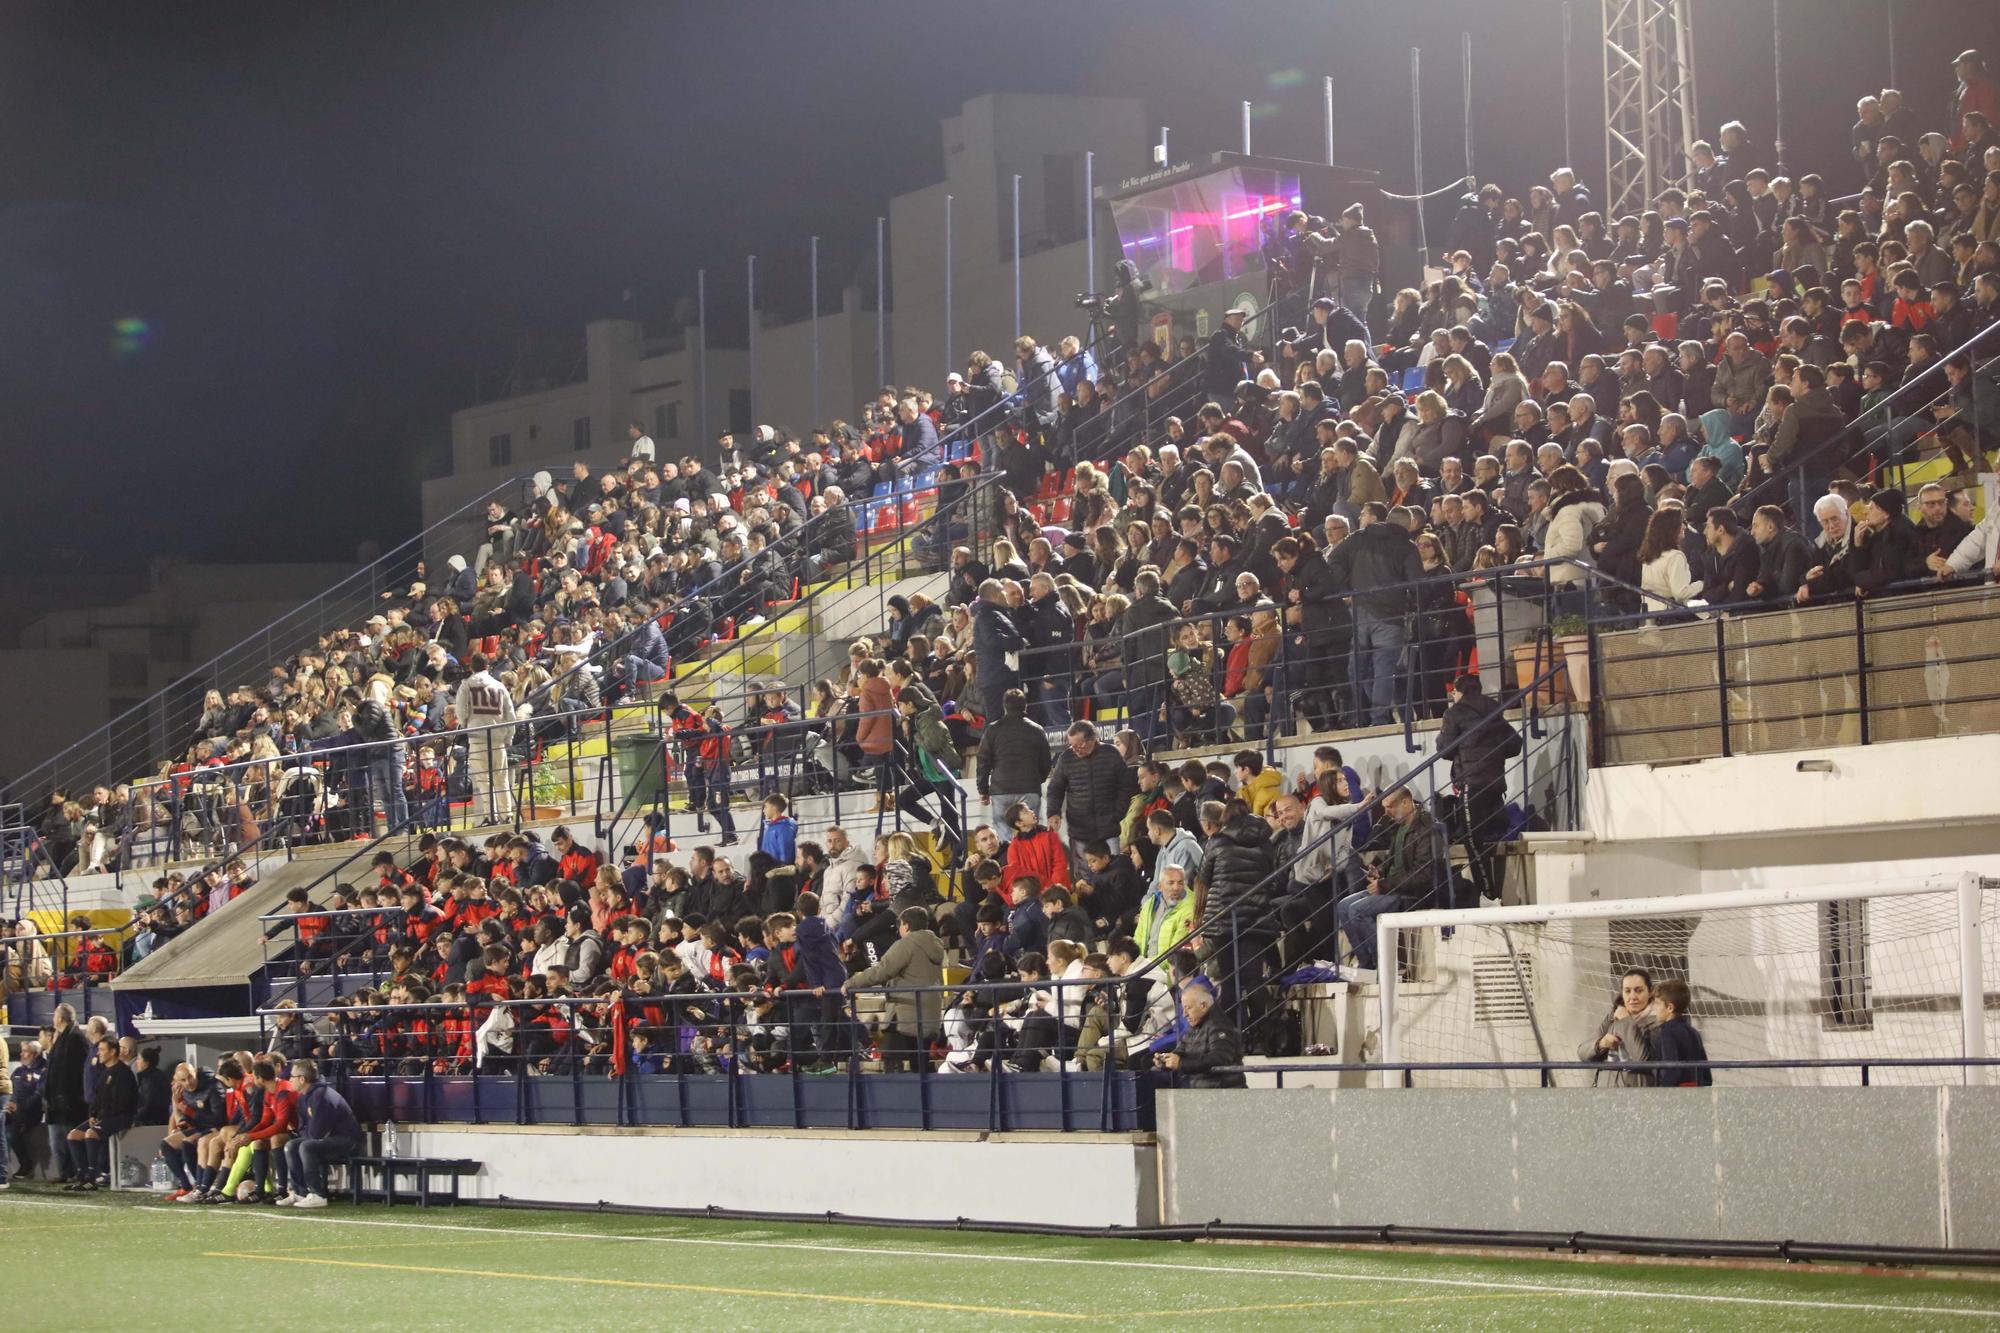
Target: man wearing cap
column 1357, row 264
column 957, row 402
column 1226, row 361
column 1885, row 550
column 1333, row 328
column 1534, row 353
column 1677, row 267
column 1710, row 254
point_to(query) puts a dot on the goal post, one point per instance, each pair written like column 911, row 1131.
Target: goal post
column 1898, row 969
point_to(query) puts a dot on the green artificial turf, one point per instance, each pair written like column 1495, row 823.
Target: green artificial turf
column 133, row 1261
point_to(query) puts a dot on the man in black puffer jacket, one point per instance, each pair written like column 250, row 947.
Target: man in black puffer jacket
column 1014, row 757
column 1379, row 563
column 1234, row 912
column 1143, row 631
column 1094, row 787
column 1480, row 741
column 995, row 638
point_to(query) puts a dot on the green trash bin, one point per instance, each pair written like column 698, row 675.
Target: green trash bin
column 639, row 771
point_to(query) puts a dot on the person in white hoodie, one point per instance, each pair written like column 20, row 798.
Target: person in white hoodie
column 482, row 703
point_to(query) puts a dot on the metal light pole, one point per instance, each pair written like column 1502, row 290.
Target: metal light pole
column 701, row 344
column 1777, row 88
column 1017, row 256
column 1089, row 221
column 1165, row 156
column 815, row 317
column 1417, row 153
column 1889, row 16
column 752, row 278
column 948, row 364
column 881, row 313
column 1246, row 129
column 1326, row 110
column 1569, row 151
column 1465, row 39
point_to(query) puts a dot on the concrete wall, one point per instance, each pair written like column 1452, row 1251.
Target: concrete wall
column 1875, row 1166
column 1068, row 1180
column 1861, row 787
column 984, row 146
column 784, row 388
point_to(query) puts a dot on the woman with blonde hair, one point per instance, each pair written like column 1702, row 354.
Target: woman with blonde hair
column 27, row 957
column 1462, row 390
column 1441, row 432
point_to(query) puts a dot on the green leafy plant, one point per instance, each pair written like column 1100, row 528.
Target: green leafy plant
column 548, row 787
column 1564, row 627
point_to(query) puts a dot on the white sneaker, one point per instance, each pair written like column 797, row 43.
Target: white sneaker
column 192, row 1196
column 286, row 1200
column 311, row 1201
column 752, row 623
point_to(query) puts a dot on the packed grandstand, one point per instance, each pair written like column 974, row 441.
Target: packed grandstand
column 1036, row 818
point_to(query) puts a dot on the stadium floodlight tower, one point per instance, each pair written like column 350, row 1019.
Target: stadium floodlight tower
column 1649, row 106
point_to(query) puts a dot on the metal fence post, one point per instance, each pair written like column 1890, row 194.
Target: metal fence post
column 1861, row 664
column 1722, row 684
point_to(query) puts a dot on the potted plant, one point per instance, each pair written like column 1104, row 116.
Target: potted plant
column 1573, row 646
column 1532, row 658
column 548, row 794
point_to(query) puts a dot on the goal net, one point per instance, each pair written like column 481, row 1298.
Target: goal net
column 1876, row 972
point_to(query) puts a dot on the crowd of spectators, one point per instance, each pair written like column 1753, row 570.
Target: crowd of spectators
column 1724, row 402
column 1111, row 887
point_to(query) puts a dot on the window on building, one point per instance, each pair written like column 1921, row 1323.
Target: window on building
column 739, row 411
column 500, row 450
column 579, row 434
column 673, row 427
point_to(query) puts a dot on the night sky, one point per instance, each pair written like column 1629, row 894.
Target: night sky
column 252, row 255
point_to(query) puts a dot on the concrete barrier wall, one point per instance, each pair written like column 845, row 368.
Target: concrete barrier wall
column 1878, row 1166
column 1066, row 1179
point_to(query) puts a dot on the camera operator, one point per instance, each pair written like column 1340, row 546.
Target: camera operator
column 1117, row 312
column 1349, row 260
